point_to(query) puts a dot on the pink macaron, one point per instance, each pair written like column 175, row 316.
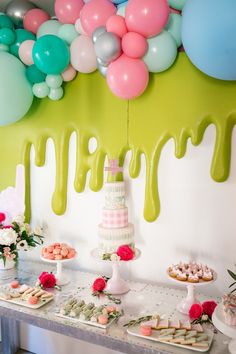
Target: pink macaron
column 145, row 330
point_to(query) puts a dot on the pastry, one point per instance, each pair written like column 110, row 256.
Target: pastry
column 177, row 340
column 188, row 341
column 167, row 331
column 193, row 278
column 165, row 338
column 181, row 276
column 197, row 327
column 58, row 251
column 201, row 344
column 207, row 275
column 192, row 272
column 180, row 333
column 23, row 288
column 33, row 300
column 174, row 324
column 103, row 319
column 185, row 325
column 163, row 324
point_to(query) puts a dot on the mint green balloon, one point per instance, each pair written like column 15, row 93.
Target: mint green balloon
column 174, row 27
column 56, row 94
column 4, row 48
column 177, row 4
column 21, row 35
column 162, row 52
column 54, row 81
column 68, row 33
column 16, row 94
column 49, row 27
column 41, row 90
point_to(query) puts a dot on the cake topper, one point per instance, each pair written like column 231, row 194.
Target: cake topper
column 114, row 167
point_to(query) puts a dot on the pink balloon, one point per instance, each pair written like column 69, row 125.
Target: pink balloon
column 127, row 78
column 68, row 11
column 34, row 19
column 69, row 74
column 83, row 57
column 95, row 13
column 25, row 52
column 117, row 25
column 134, row 45
column 147, row 17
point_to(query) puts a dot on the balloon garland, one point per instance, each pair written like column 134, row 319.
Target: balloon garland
column 124, row 40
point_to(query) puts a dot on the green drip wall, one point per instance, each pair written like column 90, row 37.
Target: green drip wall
column 179, row 103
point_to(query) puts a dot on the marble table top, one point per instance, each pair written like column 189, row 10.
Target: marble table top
column 141, row 300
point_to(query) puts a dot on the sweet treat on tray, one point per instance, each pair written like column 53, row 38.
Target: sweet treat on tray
column 78, row 309
column 229, row 309
column 191, row 272
column 58, row 251
column 175, row 331
column 24, row 294
column 115, row 230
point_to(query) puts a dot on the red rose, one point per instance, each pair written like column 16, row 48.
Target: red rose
column 195, row 311
column 47, row 280
column 2, row 217
column 99, row 284
column 8, row 227
column 209, row 307
column 125, row 253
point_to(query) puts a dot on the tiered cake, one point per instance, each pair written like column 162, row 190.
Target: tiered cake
column 115, row 230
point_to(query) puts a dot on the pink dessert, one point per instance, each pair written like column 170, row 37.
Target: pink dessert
column 58, row 251
column 15, row 284
column 145, row 330
column 33, row 300
column 103, row 319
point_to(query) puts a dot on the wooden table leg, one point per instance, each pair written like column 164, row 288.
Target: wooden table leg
column 10, row 335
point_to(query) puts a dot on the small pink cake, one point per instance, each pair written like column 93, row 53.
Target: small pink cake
column 103, row 319
column 33, row 300
column 229, row 309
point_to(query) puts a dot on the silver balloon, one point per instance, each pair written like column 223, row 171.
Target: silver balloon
column 98, row 31
column 102, row 69
column 17, row 9
column 107, row 47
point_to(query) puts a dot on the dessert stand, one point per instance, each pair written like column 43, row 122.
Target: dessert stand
column 191, row 297
column 61, row 276
column 230, row 331
column 115, row 285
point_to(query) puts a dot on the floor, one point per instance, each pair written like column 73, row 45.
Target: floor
column 19, row 352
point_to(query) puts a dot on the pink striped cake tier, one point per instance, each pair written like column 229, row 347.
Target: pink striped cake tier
column 115, row 218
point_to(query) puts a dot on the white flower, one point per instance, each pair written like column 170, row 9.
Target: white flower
column 19, row 219
column 114, row 257
column 38, row 231
column 22, row 246
column 7, row 237
column 204, row 317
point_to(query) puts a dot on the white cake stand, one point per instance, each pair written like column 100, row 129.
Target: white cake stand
column 115, row 285
column 61, row 276
column 230, row 331
column 191, row 298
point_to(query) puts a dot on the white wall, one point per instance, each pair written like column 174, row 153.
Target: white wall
column 197, row 220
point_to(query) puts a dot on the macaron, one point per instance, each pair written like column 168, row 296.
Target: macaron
column 103, row 319
column 145, row 330
column 33, row 300
column 15, row 284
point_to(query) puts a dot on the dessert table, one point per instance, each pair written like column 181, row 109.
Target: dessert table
column 142, row 299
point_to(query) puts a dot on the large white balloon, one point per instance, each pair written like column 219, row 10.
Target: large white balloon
column 83, row 57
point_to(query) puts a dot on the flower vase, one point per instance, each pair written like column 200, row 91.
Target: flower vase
column 9, row 264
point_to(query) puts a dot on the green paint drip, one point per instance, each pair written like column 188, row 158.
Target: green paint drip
column 180, row 104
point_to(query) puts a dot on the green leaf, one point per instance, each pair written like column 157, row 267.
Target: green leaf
column 232, row 274
column 232, row 284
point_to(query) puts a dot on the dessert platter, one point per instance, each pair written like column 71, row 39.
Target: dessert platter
column 224, row 319
column 175, row 332
column 25, row 295
column 99, row 316
column 191, row 275
column 59, row 253
column 115, row 232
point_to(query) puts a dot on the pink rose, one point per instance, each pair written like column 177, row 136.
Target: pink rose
column 47, row 280
column 209, row 307
column 195, row 311
column 2, row 217
column 99, row 284
column 125, row 253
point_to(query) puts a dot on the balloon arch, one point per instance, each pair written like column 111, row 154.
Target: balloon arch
column 124, row 40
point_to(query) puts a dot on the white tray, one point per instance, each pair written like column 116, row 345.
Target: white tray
column 24, row 303
column 90, row 323
column 134, row 331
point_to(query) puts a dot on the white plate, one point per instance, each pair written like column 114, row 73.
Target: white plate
column 90, row 323
column 134, row 331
